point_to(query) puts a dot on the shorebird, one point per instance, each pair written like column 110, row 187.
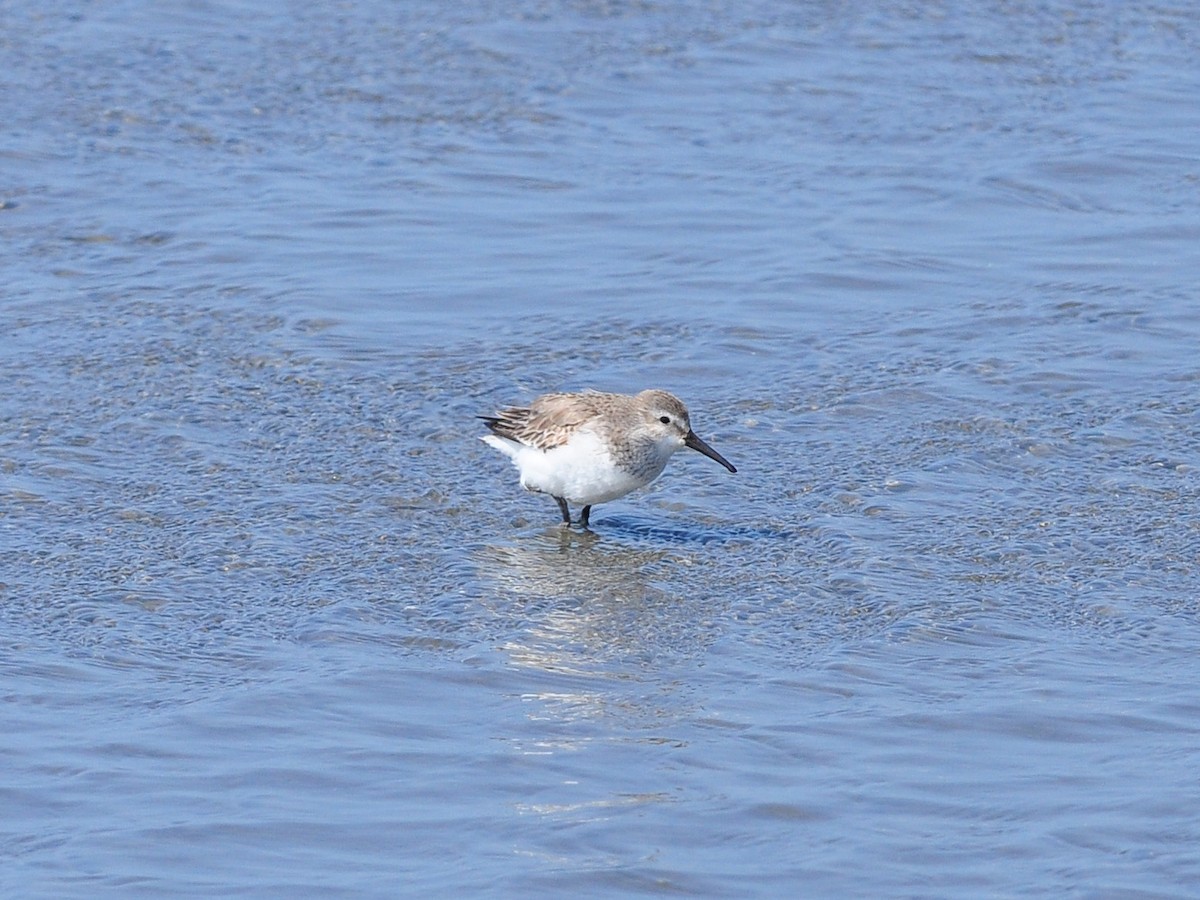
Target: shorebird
column 593, row 447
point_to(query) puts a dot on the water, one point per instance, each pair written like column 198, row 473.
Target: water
column 274, row 621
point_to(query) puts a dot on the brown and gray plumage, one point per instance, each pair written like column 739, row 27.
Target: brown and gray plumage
column 593, row 447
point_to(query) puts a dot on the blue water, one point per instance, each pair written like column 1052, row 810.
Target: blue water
column 273, row 621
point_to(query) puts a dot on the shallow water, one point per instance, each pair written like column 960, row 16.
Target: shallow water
column 273, row 620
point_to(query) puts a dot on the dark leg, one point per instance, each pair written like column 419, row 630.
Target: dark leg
column 562, row 504
column 583, row 516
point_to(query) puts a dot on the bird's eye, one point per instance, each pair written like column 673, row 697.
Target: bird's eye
column 666, row 420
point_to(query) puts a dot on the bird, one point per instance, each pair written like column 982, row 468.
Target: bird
column 592, row 447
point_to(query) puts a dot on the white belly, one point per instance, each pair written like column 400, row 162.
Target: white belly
column 581, row 471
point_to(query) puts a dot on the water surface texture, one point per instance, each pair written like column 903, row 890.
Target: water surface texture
column 273, row 622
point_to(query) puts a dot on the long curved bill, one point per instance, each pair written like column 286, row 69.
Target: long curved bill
column 696, row 444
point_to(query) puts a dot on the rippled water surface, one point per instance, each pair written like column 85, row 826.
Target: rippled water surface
column 274, row 622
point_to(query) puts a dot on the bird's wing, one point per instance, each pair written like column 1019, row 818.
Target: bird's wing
column 548, row 422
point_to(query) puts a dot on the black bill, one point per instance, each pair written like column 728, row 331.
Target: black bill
column 696, row 444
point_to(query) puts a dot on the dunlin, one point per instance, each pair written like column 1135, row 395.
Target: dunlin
column 592, row 447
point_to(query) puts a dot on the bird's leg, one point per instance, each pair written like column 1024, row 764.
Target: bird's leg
column 566, row 511
column 583, row 516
